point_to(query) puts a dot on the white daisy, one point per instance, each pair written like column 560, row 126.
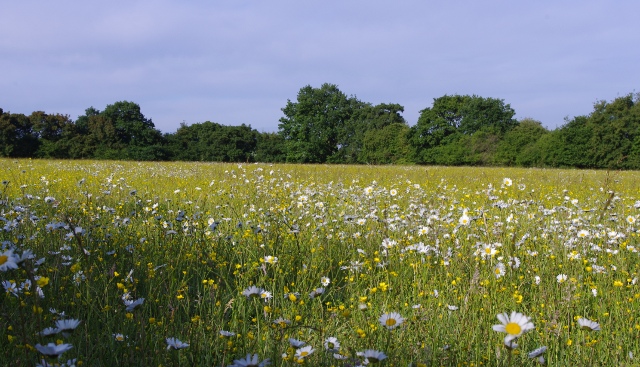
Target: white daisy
column 464, row 219
column 331, row 344
column 53, row 349
column 8, row 260
column 514, row 325
column 372, row 356
column 175, row 344
column 296, row 343
column 252, row 291
column 250, row 361
column 65, row 325
column 561, row 278
column 119, row 337
column 304, row 352
column 391, row 320
column 131, row 305
column 538, row 354
column 270, row 259
column 265, row 295
column 587, row 324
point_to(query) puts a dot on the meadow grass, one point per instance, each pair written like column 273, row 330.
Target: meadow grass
column 193, row 264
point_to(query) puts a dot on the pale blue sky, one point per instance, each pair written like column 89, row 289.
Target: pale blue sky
column 235, row 62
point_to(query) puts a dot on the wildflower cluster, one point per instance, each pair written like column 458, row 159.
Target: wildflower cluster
column 254, row 265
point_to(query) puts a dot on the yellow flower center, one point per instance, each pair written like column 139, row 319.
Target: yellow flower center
column 304, row 354
column 390, row 322
column 513, row 328
column 3, row 259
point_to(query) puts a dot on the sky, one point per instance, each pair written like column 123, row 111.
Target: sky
column 239, row 61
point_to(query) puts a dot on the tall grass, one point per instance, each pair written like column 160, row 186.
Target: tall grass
column 330, row 250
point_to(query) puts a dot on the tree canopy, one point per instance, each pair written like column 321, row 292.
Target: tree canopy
column 325, row 125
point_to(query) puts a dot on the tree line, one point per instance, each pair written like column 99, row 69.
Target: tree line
column 324, row 125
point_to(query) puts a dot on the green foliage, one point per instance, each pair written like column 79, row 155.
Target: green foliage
column 453, row 117
column 517, row 145
column 366, row 122
column 16, row 136
column 312, row 126
column 209, row 141
column 121, row 131
column 615, row 130
column 270, row 148
column 387, row 145
column 324, row 125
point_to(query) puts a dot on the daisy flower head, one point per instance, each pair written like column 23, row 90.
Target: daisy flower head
column 316, row 292
column 393, row 192
column 131, row 305
column 49, row 331
column 304, row 352
column 587, row 324
column 296, row 343
column 514, row 262
column 53, row 349
column 464, row 219
column 325, row 281
column 252, row 292
column 176, row 344
column 8, row 260
column 561, row 278
column 266, row 295
column 583, row 233
column 391, row 320
column 631, row 219
column 488, row 250
column 368, row 190
column 372, row 356
column 281, row 322
column 67, row 325
column 331, row 344
column 270, row 259
column 250, row 361
column 537, row 353
column 499, row 270
column 507, row 182
column 513, row 325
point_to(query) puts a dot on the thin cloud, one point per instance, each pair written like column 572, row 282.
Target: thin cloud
column 239, row 62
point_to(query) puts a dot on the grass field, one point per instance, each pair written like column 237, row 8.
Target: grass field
column 191, row 264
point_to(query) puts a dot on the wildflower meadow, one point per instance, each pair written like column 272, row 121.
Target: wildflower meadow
column 107, row 263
